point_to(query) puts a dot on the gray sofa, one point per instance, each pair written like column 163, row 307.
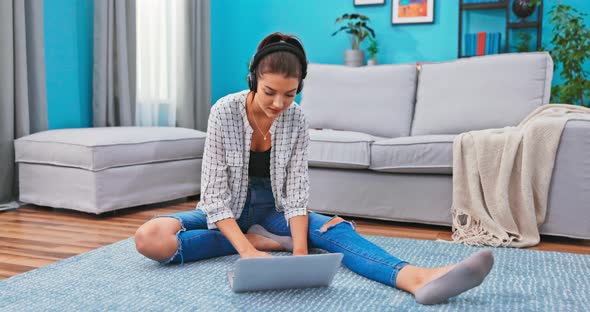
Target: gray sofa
column 381, row 136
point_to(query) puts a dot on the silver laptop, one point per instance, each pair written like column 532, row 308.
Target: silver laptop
column 283, row 272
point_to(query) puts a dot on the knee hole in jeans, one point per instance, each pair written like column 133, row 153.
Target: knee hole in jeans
column 335, row 221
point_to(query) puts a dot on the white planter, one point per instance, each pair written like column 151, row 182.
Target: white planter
column 354, row 58
column 372, row 62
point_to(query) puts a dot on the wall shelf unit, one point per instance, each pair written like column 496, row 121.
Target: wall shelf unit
column 510, row 24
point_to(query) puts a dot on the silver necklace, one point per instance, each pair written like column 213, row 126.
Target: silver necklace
column 256, row 122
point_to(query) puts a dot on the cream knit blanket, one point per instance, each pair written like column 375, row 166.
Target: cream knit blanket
column 501, row 178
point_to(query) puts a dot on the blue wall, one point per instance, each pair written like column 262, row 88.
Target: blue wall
column 236, row 28
column 68, row 61
column 238, row 25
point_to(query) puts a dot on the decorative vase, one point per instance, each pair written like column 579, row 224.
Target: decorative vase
column 354, row 58
column 371, row 62
column 523, row 8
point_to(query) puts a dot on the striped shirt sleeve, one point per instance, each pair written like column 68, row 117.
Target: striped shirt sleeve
column 297, row 175
column 215, row 191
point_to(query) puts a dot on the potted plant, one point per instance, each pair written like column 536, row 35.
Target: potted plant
column 524, row 42
column 570, row 49
column 356, row 27
column 372, row 49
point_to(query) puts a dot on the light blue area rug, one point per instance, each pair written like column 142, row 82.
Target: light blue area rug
column 116, row 277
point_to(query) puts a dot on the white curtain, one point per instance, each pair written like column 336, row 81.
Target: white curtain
column 173, row 63
column 162, row 55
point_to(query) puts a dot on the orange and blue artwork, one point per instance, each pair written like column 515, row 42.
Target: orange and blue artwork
column 412, row 11
column 412, row 8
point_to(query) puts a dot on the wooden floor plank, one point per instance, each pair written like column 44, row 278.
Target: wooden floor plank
column 37, row 238
column 33, row 236
column 35, row 244
column 43, row 254
column 45, row 247
column 7, row 268
column 24, row 260
column 67, row 228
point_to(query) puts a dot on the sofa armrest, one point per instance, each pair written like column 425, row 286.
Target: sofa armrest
column 569, row 191
column 573, row 153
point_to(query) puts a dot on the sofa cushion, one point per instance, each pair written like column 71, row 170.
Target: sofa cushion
column 481, row 92
column 339, row 149
column 414, row 154
column 102, row 148
column 376, row 100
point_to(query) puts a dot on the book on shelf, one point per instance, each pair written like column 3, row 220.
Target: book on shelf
column 496, row 42
column 482, row 43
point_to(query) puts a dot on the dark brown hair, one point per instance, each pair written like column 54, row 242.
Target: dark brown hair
column 280, row 62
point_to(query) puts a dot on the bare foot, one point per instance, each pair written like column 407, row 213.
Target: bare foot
column 263, row 243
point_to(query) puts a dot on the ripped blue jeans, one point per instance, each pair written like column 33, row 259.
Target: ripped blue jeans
column 196, row 242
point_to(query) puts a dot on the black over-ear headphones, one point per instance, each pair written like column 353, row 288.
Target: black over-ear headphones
column 291, row 46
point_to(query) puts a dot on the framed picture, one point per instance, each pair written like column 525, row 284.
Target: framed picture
column 368, row 2
column 412, row 11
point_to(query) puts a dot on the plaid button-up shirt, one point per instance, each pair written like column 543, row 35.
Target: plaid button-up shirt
column 224, row 176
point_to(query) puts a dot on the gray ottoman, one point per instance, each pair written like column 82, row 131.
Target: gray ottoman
column 102, row 169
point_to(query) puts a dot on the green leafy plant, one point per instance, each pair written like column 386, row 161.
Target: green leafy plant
column 373, row 47
column 356, row 26
column 524, row 42
column 571, row 49
column 535, row 2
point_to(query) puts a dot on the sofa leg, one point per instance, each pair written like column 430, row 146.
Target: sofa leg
column 335, row 220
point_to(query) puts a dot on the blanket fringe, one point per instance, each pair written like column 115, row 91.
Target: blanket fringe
column 470, row 231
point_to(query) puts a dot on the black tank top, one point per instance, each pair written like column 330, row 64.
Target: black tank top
column 259, row 165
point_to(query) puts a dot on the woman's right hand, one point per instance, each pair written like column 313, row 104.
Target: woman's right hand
column 255, row 253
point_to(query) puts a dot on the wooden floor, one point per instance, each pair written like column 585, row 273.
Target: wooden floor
column 32, row 237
